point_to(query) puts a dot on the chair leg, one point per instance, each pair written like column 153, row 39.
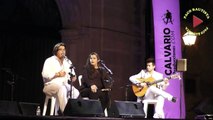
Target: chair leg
column 105, row 112
column 45, row 106
column 146, row 103
column 56, row 108
column 145, row 108
column 52, row 108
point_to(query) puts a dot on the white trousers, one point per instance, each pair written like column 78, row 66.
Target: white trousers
column 60, row 92
column 160, row 95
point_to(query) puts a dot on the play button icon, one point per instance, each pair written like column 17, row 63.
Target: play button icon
column 196, row 21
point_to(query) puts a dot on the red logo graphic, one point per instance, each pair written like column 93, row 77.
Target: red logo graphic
column 196, row 21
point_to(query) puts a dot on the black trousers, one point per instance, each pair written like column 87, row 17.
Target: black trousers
column 103, row 96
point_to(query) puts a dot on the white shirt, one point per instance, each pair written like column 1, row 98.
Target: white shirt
column 144, row 74
column 52, row 66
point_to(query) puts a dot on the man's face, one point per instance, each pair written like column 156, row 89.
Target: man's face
column 150, row 67
column 61, row 52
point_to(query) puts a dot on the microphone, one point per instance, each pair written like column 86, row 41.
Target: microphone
column 69, row 61
column 102, row 63
column 64, row 56
column 72, row 66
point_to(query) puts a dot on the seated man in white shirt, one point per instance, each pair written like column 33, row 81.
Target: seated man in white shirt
column 56, row 73
column 152, row 92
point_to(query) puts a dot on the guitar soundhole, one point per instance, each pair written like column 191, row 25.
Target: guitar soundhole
column 141, row 88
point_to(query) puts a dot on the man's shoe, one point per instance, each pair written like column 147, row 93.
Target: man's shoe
column 60, row 113
column 174, row 99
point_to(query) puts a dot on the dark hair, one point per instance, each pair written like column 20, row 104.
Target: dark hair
column 88, row 66
column 55, row 48
column 150, row 60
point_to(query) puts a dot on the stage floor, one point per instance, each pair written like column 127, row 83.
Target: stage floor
column 21, row 117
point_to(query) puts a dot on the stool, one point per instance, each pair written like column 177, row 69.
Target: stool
column 146, row 103
column 52, row 107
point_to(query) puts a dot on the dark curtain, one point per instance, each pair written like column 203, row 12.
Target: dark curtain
column 22, row 57
column 29, row 29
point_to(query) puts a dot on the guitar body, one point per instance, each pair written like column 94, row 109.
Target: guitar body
column 140, row 91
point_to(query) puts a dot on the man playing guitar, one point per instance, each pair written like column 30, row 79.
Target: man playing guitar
column 149, row 84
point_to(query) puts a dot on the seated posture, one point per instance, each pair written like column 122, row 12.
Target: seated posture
column 144, row 89
column 56, row 73
column 96, row 81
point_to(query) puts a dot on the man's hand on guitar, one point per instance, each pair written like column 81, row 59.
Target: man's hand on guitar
column 143, row 84
column 166, row 80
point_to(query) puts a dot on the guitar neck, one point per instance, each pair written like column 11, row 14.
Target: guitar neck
column 155, row 82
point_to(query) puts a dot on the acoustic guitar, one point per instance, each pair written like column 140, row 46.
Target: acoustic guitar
column 140, row 91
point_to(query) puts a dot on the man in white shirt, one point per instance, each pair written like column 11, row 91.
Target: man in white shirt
column 56, row 73
column 153, row 92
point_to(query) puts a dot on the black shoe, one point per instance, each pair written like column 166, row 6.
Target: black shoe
column 60, row 113
column 174, row 99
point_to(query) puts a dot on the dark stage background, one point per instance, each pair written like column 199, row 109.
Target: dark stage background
column 30, row 28
column 121, row 31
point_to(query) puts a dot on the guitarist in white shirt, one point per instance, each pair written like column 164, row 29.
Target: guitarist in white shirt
column 56, row 73
column 153, row 92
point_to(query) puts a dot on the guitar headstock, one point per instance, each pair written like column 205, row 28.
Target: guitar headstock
column 174, row 76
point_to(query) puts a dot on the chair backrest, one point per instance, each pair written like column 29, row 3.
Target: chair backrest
column 80, row 83
column 79, row 80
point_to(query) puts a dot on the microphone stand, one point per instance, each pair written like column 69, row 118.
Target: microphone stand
column 108, row 70
column 126, row 91
column 70, row 73
column 10, row 82
column 71, row 76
